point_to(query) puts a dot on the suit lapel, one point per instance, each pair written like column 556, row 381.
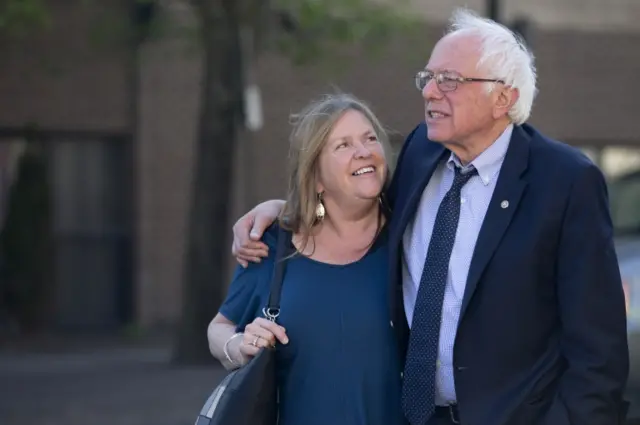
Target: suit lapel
column 504, row 203
column 425, row 167
column 428, row 166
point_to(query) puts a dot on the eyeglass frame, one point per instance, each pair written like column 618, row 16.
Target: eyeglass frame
column 441, row 76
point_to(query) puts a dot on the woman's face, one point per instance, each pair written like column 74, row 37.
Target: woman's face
column 352, row 165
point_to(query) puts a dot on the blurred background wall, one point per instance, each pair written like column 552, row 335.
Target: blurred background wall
column 119, row 123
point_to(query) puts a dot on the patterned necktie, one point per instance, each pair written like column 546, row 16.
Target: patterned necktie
column 418, row 390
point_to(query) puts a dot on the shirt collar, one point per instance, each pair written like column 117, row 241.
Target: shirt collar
column 488, row 163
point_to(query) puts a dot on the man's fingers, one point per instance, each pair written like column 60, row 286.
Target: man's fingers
column 241, row 230
column 276, row 330
column 257, row 249
column 250, row 245
column 252, row 259
column 241, row 244
column 251, row 253
column 260, row 224
column 245, row 255
column 244, row 261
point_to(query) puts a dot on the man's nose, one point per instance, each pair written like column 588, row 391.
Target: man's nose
column 431, row 90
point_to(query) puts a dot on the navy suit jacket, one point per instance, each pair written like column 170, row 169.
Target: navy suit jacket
column 542, row 333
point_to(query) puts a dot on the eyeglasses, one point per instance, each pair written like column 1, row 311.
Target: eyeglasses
column 448, row 81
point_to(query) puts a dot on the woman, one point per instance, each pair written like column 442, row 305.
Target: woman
column 336, row 354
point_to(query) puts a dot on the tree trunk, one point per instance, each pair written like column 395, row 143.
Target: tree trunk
column 207, row 248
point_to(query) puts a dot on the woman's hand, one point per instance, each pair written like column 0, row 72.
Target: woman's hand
column 259, row 334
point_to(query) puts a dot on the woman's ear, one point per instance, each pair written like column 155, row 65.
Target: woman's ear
column 319, row 185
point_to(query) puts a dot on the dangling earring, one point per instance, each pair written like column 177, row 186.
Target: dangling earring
column 320, row 211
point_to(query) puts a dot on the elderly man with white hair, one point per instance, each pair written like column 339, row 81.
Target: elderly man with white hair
column 504, row 282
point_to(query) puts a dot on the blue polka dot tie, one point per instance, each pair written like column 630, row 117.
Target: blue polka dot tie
column 418, row 390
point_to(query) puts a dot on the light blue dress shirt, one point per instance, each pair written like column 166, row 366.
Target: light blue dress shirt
column 475, row 199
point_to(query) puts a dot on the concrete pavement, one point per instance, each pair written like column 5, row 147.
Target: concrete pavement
column 110, row 384
column 114, row 386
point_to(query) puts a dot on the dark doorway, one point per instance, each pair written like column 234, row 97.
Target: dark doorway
column 91, row 199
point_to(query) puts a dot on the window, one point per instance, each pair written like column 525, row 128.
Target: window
column 624, row 195
column 621, row 166
column 92, row 218
column 88, row 180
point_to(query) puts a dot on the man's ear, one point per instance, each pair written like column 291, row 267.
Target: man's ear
column 506, row 99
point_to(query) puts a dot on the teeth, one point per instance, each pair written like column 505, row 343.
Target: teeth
column 364, row 171
column 434, row 114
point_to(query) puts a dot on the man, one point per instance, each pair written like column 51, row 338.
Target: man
column 502, row 259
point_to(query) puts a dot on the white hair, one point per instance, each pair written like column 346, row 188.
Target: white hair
column 504, row 55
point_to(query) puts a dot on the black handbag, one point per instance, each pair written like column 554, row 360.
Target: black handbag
column 249, row 395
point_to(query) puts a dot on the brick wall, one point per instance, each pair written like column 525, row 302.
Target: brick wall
column 63, row 77
column 168, row 108
column 577, row 104
column 587, row 80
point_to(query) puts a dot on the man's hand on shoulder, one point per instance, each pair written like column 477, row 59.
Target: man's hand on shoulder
column 248, row 231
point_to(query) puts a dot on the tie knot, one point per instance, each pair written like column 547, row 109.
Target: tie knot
column 461, row 178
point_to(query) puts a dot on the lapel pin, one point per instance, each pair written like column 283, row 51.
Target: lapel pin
column 504, row 204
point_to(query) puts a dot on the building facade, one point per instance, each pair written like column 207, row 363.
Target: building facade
column 121, row 122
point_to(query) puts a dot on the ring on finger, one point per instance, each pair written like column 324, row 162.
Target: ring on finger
column 255, row 341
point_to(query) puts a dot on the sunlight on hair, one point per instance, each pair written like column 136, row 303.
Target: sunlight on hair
column 504, row 55
column 311, row 128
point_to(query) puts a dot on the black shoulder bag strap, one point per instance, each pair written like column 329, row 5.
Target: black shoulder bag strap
column 283, row 249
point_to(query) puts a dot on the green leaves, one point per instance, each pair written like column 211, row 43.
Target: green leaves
column 331, row 27
column 18, row 17
column 307, row 31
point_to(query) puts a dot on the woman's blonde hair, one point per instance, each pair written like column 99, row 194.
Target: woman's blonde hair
column 312, row 127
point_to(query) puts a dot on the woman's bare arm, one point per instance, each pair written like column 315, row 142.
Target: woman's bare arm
column 261, row 333
column 218, row 333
